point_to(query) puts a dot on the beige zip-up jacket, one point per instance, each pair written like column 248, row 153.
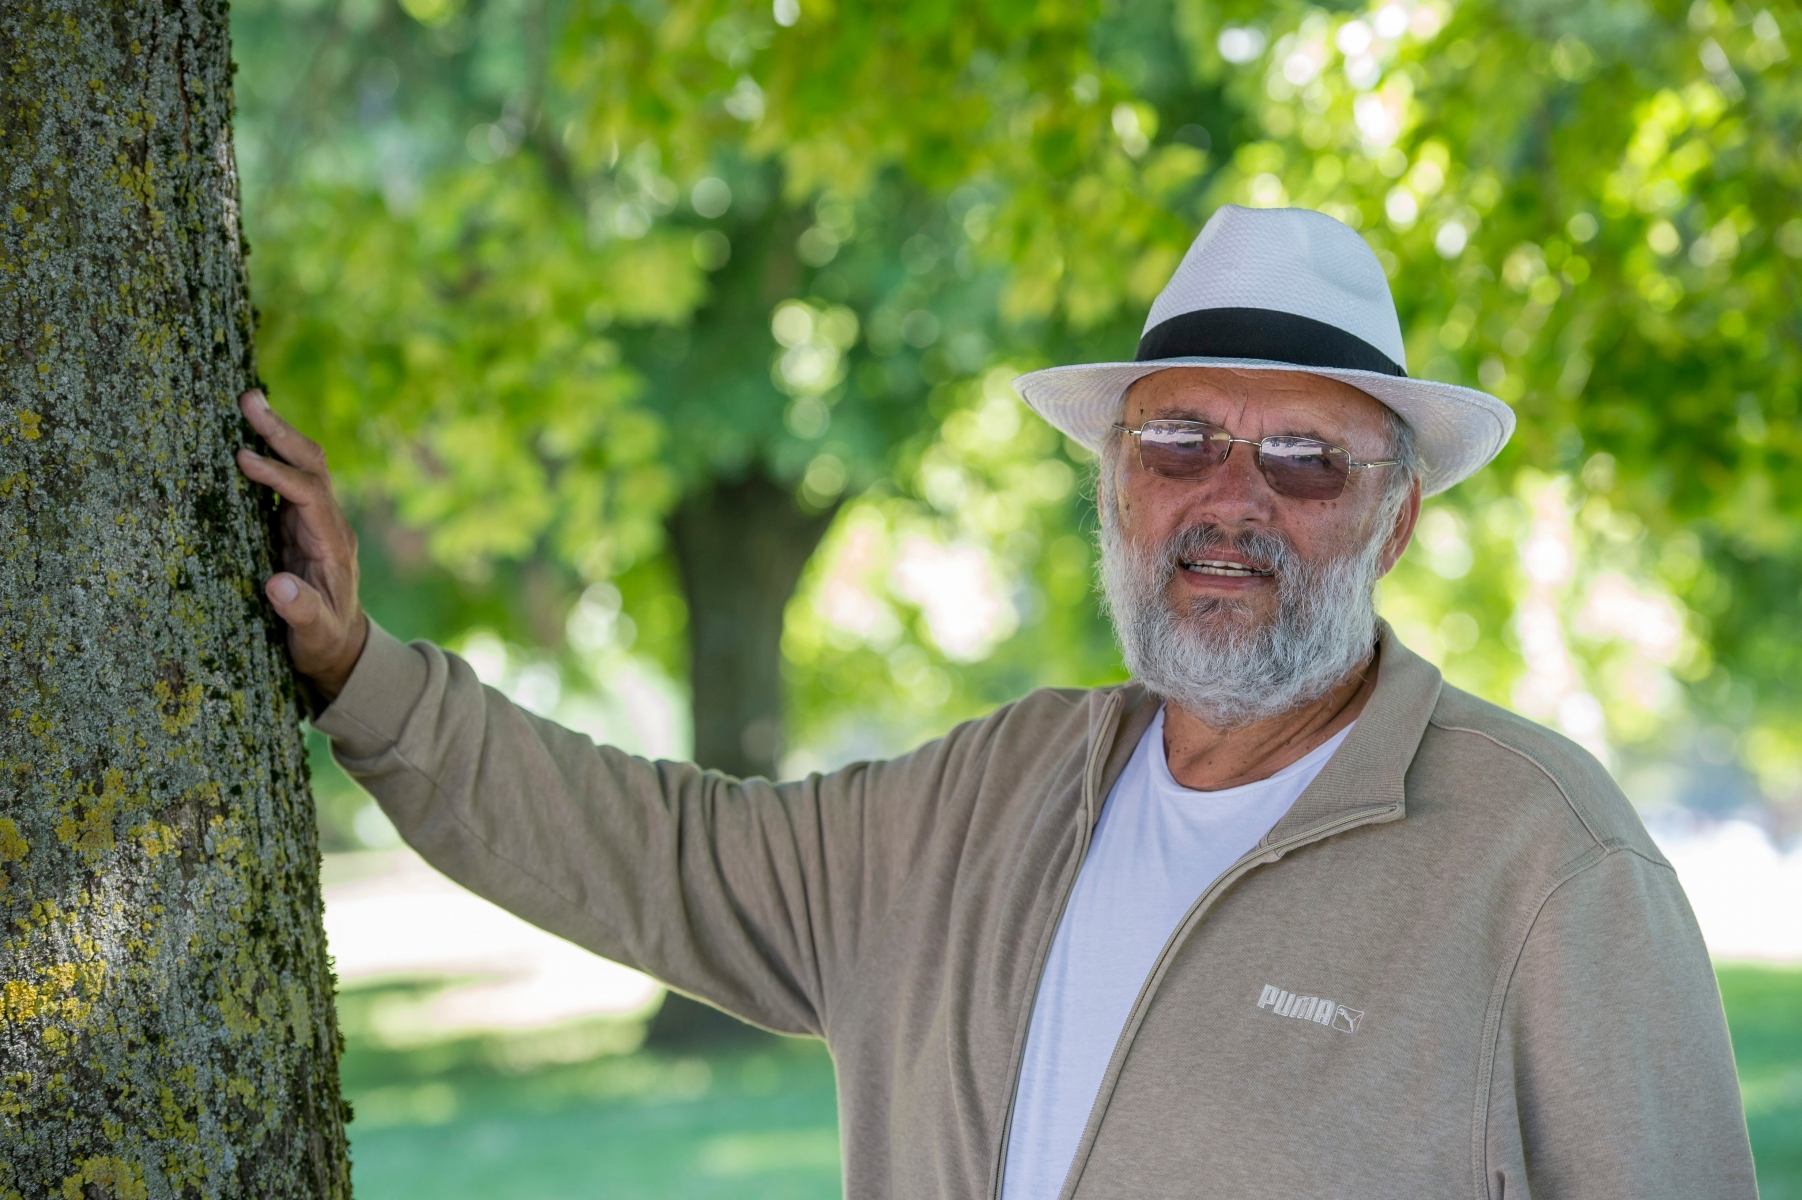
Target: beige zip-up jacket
column 1458, row 967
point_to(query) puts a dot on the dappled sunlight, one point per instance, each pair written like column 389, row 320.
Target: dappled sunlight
column 389, row 916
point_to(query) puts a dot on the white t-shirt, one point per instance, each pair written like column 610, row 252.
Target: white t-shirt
column 1156, row 848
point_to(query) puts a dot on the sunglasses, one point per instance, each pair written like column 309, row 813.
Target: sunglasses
column 1293, row 466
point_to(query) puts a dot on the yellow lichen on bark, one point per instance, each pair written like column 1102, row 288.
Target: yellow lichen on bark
column 87, row 821
column 13, row 846
column 110, row 1177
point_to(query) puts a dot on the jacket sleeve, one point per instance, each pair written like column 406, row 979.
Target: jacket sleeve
column 752, row 895
column 1613, row 1074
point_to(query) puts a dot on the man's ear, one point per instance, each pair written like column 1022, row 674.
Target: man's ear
column 1403, row 533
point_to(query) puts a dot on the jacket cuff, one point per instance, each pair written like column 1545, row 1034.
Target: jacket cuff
column 368, row 715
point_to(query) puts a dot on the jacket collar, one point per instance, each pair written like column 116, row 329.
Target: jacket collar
column 1131, row 707
column 1367, row 771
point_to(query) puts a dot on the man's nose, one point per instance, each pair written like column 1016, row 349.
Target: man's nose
column 1235, row 493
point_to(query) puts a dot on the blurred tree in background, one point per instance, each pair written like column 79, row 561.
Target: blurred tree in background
column 663, row 338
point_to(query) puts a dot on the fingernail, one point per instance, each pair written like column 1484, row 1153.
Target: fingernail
column 283, row 589
column 252, row 453
column 257, row 398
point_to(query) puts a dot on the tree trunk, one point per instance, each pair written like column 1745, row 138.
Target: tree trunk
column 740, row 548
column 166, row 1024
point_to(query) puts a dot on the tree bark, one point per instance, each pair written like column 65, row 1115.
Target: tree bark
column 740, row 548
column 166, row 1023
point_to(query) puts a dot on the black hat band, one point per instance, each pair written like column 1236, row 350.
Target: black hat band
column 1263, row 333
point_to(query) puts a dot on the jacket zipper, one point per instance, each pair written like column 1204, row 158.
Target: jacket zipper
column 1104, row 742
column 1184, row 928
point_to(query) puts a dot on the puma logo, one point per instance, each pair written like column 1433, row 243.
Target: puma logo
column 1317, row 1009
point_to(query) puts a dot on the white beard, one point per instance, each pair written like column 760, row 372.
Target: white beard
column 1211, row 660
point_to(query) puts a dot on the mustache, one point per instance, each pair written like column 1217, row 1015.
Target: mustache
column 1261, row 549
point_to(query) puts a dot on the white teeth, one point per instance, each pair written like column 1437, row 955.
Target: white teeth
column 1213, row 566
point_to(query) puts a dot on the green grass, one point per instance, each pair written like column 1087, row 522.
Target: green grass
column 587, row 1111
column 1764, row 1011
column 584, row 1111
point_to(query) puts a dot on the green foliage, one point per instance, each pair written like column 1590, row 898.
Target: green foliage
column 447, row 360
column 533, row 270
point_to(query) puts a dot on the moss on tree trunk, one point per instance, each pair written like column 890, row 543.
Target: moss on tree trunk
column 166, row 1024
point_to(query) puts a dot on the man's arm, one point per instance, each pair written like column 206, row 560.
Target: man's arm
column 1613, row 1074
column 753, row 895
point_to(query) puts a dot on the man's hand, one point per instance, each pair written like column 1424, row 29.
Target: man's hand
column 316, row 593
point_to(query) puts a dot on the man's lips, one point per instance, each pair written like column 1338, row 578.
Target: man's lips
column 1223, row 567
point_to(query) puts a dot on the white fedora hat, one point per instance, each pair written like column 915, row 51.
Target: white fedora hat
column 1283, row 289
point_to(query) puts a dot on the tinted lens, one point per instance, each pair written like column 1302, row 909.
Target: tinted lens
column 1303, row 468
column 1182, row 449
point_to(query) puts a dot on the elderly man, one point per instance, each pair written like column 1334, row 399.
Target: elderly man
column 1284, row 916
